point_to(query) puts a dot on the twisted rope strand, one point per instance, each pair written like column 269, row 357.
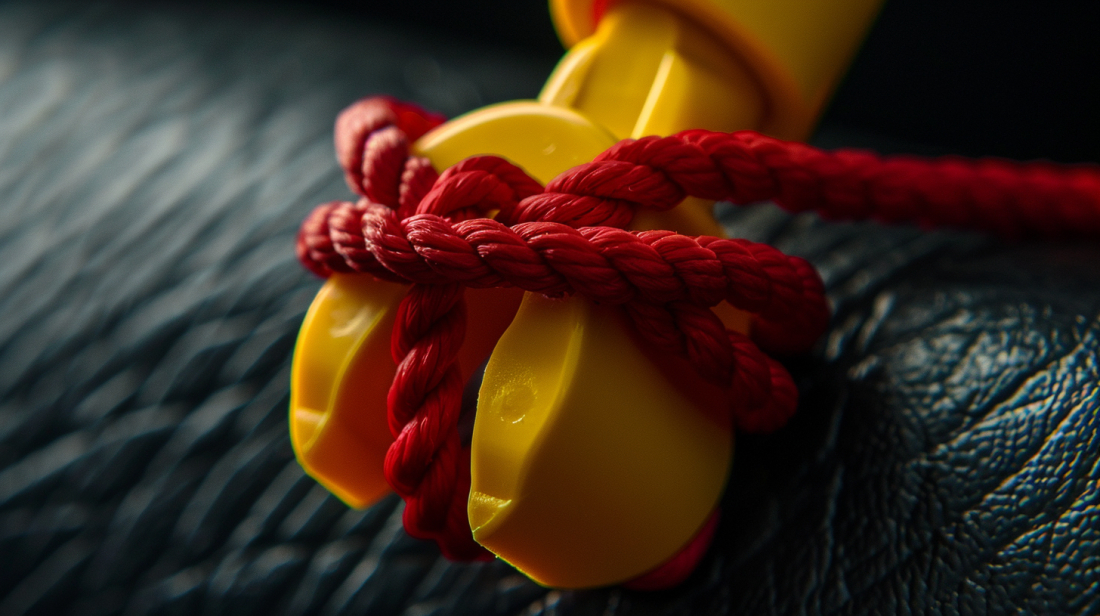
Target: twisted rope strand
column 1002, row 197
column 426, row 463
column 605, row 265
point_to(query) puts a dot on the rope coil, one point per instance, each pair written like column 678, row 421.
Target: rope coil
column 431, row 230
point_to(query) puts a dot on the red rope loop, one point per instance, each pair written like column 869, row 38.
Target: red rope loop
column 416, row 226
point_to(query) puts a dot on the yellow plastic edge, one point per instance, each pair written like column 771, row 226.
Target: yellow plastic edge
column 347, row 324
column 584, row 450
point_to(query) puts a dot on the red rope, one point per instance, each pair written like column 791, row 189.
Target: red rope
column 415, row 226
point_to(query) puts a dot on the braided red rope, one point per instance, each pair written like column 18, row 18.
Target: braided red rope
column 430, row 230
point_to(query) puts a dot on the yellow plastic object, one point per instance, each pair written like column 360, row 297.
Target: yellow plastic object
column 543, row 139
column 591, row 465
column 342, row 371
column 575, row 492
column 796, row 50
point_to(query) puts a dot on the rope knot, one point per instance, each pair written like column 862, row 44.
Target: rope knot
column 486, row 223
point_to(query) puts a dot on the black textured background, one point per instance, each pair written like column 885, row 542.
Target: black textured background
column 155, row 160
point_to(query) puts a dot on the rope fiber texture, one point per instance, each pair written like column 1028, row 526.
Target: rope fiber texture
column 432, row 230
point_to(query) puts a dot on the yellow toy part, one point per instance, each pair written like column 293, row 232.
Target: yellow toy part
column 342, row 370
column 591, row 464
column 566, row 377
column 797, row 50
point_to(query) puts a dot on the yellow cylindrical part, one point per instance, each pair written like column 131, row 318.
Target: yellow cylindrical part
column 796, row 50
column 593, row 459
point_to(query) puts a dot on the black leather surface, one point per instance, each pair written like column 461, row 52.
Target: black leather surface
column 154, row 166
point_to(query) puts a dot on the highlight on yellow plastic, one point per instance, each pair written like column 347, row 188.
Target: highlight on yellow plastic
column 545, row 140
column 342, row 370
column 589, row 466
column 341, row 367
column 797, row 50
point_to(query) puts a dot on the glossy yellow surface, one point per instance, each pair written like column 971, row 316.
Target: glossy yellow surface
column 796, row 50
column 590, row 466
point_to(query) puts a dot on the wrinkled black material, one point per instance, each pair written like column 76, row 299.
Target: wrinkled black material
column 154, row 166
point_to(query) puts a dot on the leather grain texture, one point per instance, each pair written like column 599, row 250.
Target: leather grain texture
column 154, row 165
